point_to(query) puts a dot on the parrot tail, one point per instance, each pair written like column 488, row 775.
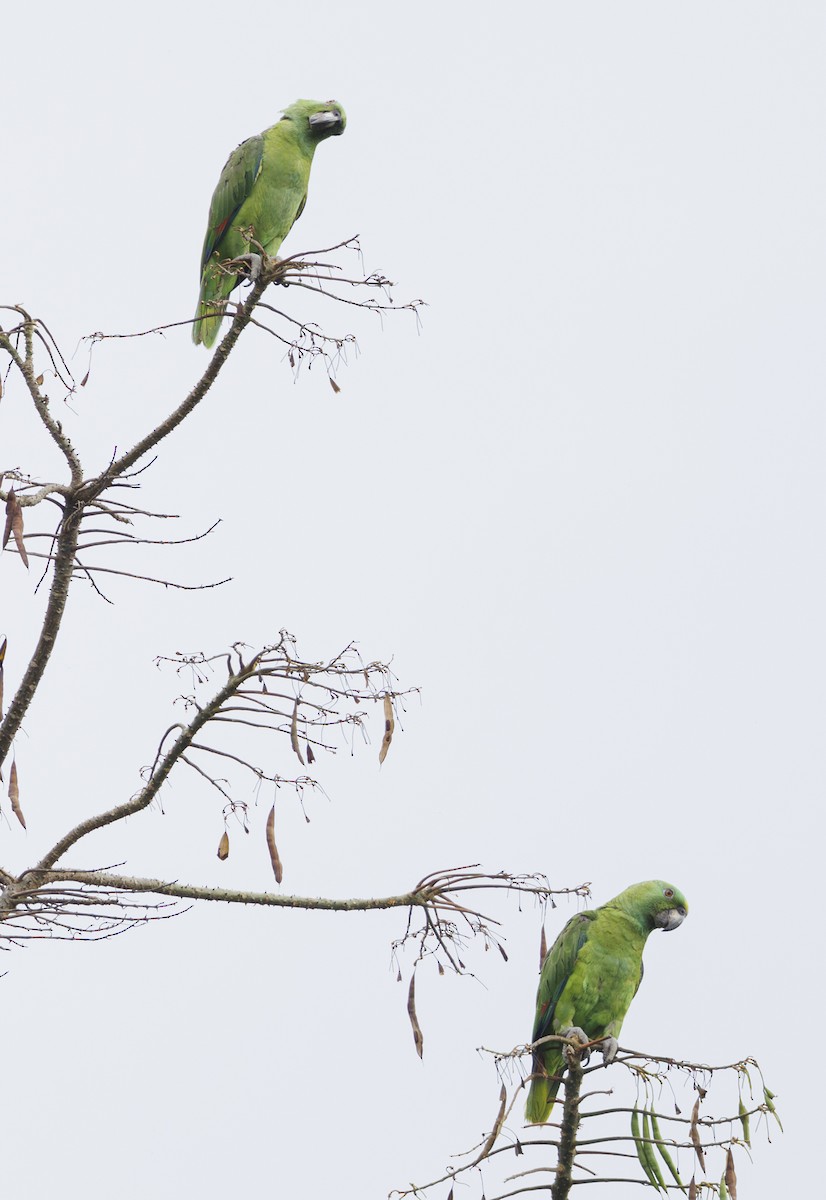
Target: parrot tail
column 208, row 319
column 541, row 1098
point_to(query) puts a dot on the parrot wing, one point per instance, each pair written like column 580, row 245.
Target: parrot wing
column 557, row 969
column 240, row 172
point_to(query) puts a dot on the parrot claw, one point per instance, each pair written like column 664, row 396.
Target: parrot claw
column 255, row 263
column 608, row 1048
column 575, row 1033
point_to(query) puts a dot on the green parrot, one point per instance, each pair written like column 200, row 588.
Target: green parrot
column 260, row 195
column 589, row 978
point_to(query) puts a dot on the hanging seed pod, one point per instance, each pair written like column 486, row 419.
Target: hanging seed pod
column 14, row 794
column 640, row 1146
column 768, row 1100
column 745, row 1122
column 694, row 1134
column 223, row 846
column 277, row 868
column 730, row 1175
column 649, row 1151
column 664, row 1152
column 418, row 1037
column 389, row 726
column 14, row 525
column 294, row 734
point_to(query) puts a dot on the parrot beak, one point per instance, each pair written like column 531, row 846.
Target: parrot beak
column 332, row 119
column 670, row 918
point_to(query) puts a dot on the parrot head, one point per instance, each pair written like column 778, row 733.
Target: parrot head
column 655, row 903
column 320, row 120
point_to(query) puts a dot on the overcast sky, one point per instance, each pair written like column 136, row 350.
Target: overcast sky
column 582, row 507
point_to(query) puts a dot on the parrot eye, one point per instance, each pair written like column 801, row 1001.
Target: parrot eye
column 668, row 893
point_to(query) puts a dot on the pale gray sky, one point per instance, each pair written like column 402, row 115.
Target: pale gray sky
column 583, row 508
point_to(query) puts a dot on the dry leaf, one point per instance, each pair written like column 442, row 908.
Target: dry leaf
column 223, row 846
column 294, row 733
column 14, row 794
column 334, row 385
column 389, row 726
column 14, row 524
column 277, row 869
column 731, row 1175
column 414, row 1020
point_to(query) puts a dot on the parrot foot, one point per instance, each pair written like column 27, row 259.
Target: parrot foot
column 608, row 1048
column 255, row 265
column 579, row 1035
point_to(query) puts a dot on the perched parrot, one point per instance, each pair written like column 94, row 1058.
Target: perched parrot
column 591, row 975
column 260, row 195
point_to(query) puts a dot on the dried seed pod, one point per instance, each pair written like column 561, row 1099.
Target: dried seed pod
column 418, row 1037
column 389, row 726
column 694, row 1134
column 14, row 525
column 14, row 794
column 730, row 1175
column 543, row 949
column 490, row 1141
column 294, row 733
column 223, row 846
column 2, row 660
column 277, row 868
